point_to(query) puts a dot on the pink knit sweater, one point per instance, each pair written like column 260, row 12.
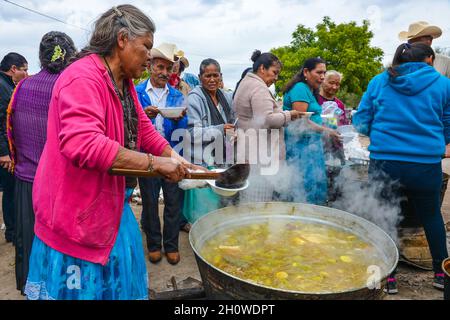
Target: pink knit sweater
column 78, row 205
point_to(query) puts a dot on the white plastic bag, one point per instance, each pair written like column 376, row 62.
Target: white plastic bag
column 331, row 114
column 189, row 184
column 192, row 184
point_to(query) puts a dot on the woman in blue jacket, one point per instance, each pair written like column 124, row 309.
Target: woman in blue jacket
column 406, row 114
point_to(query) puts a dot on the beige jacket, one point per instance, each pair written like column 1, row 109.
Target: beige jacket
column 442, row 65
column 184, row 88
column 256, row 108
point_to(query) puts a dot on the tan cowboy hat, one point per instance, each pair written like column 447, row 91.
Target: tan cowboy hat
column 185, row 62
column 180, row 55
column 420, row 29
column 166, row 51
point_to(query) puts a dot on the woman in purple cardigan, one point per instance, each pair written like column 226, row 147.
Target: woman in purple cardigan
column 27, row 135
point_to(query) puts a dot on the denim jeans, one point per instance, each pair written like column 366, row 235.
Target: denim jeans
column 421, row 184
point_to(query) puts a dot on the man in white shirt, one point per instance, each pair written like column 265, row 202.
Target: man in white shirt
column 158, row 92
column 153, row 94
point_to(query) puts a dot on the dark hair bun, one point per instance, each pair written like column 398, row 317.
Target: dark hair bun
column 50, row 41
column 255, row 56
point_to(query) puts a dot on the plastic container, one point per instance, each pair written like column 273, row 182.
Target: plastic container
column 347, row 129
column 348, row 132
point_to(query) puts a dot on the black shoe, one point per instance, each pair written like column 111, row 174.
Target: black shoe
column 9, row 239
column 186, row 228
column 438, row 281
column 391, row 286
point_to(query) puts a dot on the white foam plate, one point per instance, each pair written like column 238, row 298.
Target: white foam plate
column 226, row 192
column 171, row 113
column 223, row 191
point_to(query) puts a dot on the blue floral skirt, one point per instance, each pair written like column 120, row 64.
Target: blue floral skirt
column 56, row 276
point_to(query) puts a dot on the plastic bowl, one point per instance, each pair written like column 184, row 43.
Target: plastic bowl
column 171, row 113
column 226, row 192
column 346, row 129
column 223, row 191
column 348, row 136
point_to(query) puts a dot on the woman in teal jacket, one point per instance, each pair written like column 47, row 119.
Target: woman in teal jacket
column 406, row 113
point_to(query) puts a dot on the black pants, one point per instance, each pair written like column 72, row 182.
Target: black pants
column 7, row 180
column 421, row 184
column 173, row 204
column 24, row 230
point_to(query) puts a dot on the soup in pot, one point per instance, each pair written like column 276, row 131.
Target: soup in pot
column 294, row 255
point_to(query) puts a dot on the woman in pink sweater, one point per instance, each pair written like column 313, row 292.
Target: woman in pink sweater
column 88, row 244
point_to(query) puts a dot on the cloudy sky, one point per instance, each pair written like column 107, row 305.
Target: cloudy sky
column 227, row 30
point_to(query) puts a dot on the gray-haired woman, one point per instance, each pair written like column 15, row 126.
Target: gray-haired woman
column 328, row 90
column 210, row 116
column 88, row 245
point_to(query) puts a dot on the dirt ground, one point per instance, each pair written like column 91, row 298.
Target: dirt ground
column 414, row 284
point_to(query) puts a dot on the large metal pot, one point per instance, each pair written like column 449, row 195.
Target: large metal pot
column 446, row 268
column 220, row 285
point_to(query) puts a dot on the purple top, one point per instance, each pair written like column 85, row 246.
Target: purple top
column 29, row 122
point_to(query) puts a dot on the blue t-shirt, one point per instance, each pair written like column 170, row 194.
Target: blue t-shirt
column 302, row 93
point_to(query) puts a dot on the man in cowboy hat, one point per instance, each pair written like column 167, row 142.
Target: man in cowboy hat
column 181, row 63
column 153, row 94
column 175, row 79
column 422, row 31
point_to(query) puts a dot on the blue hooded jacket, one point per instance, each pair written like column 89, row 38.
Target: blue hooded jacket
column 407, row 117
column 174, row 99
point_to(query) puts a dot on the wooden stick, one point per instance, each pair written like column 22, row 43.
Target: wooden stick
column 145, row 174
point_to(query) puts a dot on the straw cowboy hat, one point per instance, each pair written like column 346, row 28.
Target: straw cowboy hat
column 420, row 29
column 166, row 51
column 184, row 61
column 169, row 52
column 180, row 56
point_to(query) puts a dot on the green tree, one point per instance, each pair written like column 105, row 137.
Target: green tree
column 145, row 75
column 345, row 47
